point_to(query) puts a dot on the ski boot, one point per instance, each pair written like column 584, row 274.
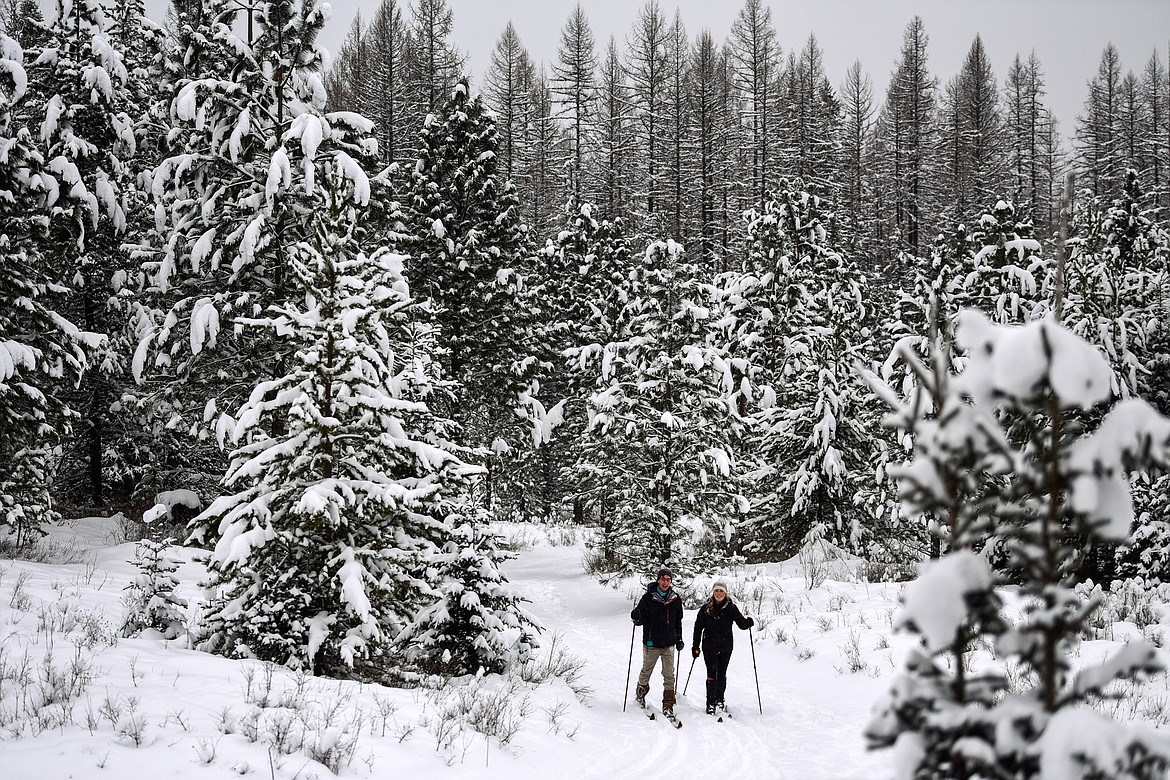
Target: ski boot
column 640, row 695
column 668, row 704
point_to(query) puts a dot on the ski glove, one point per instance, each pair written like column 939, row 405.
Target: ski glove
column 695, row 652
column 751, row 622
column 679, row 645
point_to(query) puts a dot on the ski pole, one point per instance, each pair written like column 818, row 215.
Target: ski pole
column 629, row 667
column 688, row 682
column 754, row 670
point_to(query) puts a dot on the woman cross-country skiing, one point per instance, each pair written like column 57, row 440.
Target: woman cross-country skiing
column 660, row 614
column 713, row 634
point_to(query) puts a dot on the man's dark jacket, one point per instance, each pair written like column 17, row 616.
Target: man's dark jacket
column 660, row 616
column 713, row 625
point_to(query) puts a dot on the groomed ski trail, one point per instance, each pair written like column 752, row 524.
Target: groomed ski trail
column 807, row 731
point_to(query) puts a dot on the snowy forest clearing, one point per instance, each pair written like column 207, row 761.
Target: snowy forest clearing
column 77, row 701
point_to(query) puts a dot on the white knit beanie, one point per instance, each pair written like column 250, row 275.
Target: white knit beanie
column 719, row 585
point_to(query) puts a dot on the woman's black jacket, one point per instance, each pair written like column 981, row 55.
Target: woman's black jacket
column 660, row 616
column 713, row 626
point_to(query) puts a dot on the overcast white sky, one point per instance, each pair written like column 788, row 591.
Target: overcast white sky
column 1067, row 35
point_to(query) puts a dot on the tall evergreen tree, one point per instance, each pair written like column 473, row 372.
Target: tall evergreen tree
column 856, row 211
column 1154, row 134
column 542, row 177
column 391, row 101
column 810, row 117
column 615, row 137
column 711, row 150
column 658, row 448
column 346, row 83
column 1099, row 140
column 235, row 195
column 81, row 99
column 333, row 459
column 575, row 91
column 677, row 130
column 508, row 88
column 581, row 299
column 648, row 72
column 906, row 144
column 1027, row 122
column 471, row 253
column 755, row 55
column 972, row 128
column 807, row 433
column 39, row 348
column 437, row 65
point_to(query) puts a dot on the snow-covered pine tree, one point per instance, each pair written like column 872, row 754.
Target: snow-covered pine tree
column 810, row 118
column 150, row 598
column 578, row 293
column 79, row 99
column 994, row 266
column 905, row 154
column 247, row 139
column 657, row 456
column 340, row 485
column 1018, row 420
column 799, row 324
column 948, row 485
column 614, row 130
column 1117, row 282
column 477, row 623
column 40, row 350
column 1146, row 553
column 574, row 89
column 21, row 20
column 470, row 252
column 974, row 159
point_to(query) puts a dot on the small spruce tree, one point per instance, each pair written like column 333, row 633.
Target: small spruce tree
column 150, row 598
column 477, row 622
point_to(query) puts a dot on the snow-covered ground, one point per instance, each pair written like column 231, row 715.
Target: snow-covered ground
column 76, row 701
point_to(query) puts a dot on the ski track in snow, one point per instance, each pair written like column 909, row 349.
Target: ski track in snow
column 803, row 734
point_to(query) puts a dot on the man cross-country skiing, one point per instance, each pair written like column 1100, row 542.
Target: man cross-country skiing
column 660, row 614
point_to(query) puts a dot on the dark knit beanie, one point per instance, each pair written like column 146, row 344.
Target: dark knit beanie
column 665, row 573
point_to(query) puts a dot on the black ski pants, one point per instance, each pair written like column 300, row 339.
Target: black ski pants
column 716, row 674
